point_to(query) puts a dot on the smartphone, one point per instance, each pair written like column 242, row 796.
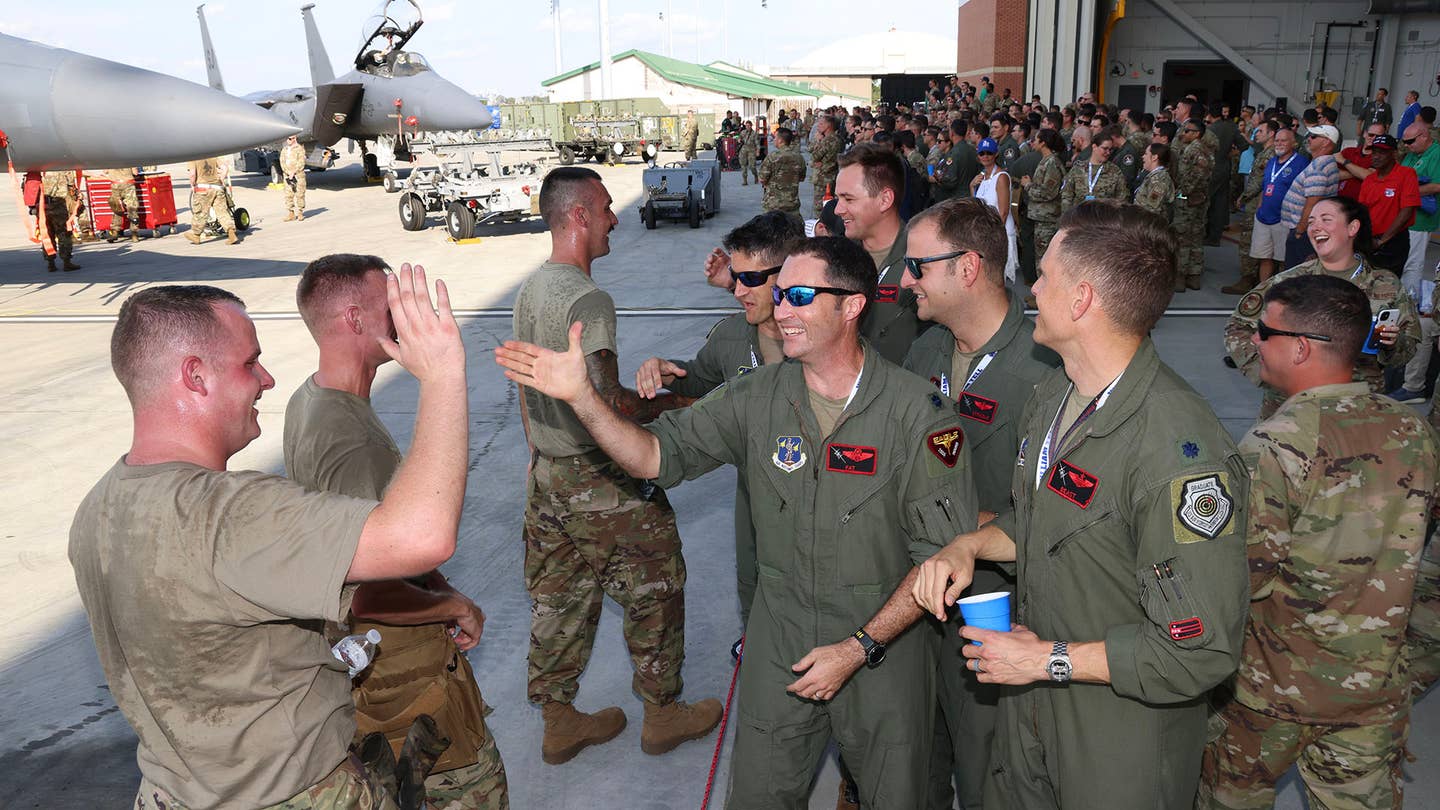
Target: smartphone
column 1387, row 317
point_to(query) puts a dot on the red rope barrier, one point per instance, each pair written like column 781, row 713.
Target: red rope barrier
column 720, row 740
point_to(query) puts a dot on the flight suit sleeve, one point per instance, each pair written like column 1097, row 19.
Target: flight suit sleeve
column 940, row 499
column 697, row 439
column 1194, row 589
column 702, row 374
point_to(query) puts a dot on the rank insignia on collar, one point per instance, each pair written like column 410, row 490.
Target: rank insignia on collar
column 1205, row 506
column 743, row 370
column 981, row 409
column 1190, row 450
column 849, row 458
column 1072, row 483
column 887, row 293
column 946, row 444
column 937, row 401
column 788, row 455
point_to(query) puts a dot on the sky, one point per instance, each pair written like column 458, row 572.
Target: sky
column 485, row 46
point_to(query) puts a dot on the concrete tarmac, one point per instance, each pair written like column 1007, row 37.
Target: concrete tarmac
column 63, row 743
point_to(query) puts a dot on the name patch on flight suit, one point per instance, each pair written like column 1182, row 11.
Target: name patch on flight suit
column 849, row 458
column 946, row 444
column 1072, row 483
column 788, row 455
column 981, row 409
column 887, row 294
column 1202, row 507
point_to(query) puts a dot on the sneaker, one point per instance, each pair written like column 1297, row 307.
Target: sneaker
column 1406, row 396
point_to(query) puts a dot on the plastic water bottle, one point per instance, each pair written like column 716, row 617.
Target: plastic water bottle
column 357, row 651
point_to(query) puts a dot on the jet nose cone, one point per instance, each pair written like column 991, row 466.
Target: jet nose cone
column 111, row 114
column 440, row 105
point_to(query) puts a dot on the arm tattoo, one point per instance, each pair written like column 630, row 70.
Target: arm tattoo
column 604, row 370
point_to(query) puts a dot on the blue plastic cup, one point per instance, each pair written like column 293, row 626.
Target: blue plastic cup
column 988, row 611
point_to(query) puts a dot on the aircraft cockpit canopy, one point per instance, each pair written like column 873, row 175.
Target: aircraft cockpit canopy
column 383, row 38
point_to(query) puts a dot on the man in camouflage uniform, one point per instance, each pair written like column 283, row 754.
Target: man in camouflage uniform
column 824, row 154
column 748, row 148
column 1042, row 192
column 781, row 174
column 207, row 182
column 591, row 530
column 1397, row 343
column 58, row 193
column 1342, row 483
column 335, row 442
column 1156, row 192
column 124, row 202
column 292, row 166
column 691, row 135
column 1192, row 179
column 1248, row 203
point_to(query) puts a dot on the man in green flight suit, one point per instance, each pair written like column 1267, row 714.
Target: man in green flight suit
column 736, row 345
column 889, row 481
column 868, row 191
column 982, row 354
column 1128, row 534
column 955, row 171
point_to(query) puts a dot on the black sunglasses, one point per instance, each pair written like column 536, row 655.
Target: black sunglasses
column 752, row 278
column 1408, row 141
column 912, row 265
column 801, row 296
column 1267, row 332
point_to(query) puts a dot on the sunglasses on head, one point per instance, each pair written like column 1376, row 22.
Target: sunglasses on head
column 1267, row 332
column 752, row 278
column 801, row 296
column 912, row 265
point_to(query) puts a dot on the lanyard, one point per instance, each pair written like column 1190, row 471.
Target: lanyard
column 1093, row 180
column 754, row 361
column 1280, row 169
column 855, row 390
column 974, row 375
column 1095, row 404
column 1359, row 268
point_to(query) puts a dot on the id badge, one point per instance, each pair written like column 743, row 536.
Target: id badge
column 1089, row 196
column 1269, row 189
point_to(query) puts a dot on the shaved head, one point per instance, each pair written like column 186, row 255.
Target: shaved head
column 332, row 281
column 156, row 325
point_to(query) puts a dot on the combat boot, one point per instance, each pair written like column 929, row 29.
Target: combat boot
column 1244, row 285
column 300, row 216
column 231, row 238
column 193, row 235
column 112, row 235
column 568, row 730
column 289, row 215
column 134, row 235
column 69, row 265
column 670, row 724
column 50, row 263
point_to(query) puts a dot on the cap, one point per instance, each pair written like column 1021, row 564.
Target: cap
column 1326, row 131
column 987, row 145
column 1385, row 142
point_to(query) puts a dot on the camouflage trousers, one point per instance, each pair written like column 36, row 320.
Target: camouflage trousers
column 1354, row 768
column 348, row 787
column 747, row 168
column 210, row 201
column 124, row 202
column 1422, row 637
column 481, row 786
column 823, row 182
column 57, row 224
column 592, row 531
column 690, row 150
column 1189, row 227
column 295, row 194
column 1044, row 232
column 1244, row 232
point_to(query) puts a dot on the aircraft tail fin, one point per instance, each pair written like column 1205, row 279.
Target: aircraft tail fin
column 321, row 71
column 212, row 65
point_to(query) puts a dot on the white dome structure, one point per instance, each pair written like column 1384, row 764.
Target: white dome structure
column 886, row 53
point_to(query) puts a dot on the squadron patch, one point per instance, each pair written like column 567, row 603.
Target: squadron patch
column 789, row 456
column 1072, row 483
column 1203, row 508
column 851, row 459
column 887, row 293
column 1251, row 305
column 981, row 409
column 1187, row 628
column 946, row 444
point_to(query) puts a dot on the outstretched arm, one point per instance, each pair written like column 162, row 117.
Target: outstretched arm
column 604, row 371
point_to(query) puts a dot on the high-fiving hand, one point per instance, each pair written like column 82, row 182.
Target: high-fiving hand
column 560, row 375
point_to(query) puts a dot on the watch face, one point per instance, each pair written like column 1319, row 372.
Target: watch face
column 875, row 655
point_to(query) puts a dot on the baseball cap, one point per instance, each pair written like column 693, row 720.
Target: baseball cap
column 1385, row 142
column 987, row 145
column 1326, row 131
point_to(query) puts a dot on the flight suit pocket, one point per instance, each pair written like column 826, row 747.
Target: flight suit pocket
column 1178, row 609
column 1085, row 525
column 937, row 517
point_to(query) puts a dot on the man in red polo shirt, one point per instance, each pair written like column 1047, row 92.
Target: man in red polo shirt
column 1392, row 194
column 1357, row 157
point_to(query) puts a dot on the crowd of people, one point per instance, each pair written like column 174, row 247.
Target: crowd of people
column 1191, row 616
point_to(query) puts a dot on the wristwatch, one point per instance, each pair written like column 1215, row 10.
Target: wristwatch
column 1058, row 664
column 874, row 650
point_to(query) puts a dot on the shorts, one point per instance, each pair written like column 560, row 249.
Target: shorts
column 1268, row 241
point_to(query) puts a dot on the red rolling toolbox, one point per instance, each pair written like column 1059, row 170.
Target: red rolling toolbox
column 157, row 202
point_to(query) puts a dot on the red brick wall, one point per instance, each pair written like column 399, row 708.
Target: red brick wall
column 990, row 41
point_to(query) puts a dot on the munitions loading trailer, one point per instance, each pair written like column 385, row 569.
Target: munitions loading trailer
column 469, row 184
column 681, row 191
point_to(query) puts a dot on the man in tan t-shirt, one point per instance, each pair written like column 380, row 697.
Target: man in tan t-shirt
column 205, row 588
column 335, row 442
column 590, row 529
